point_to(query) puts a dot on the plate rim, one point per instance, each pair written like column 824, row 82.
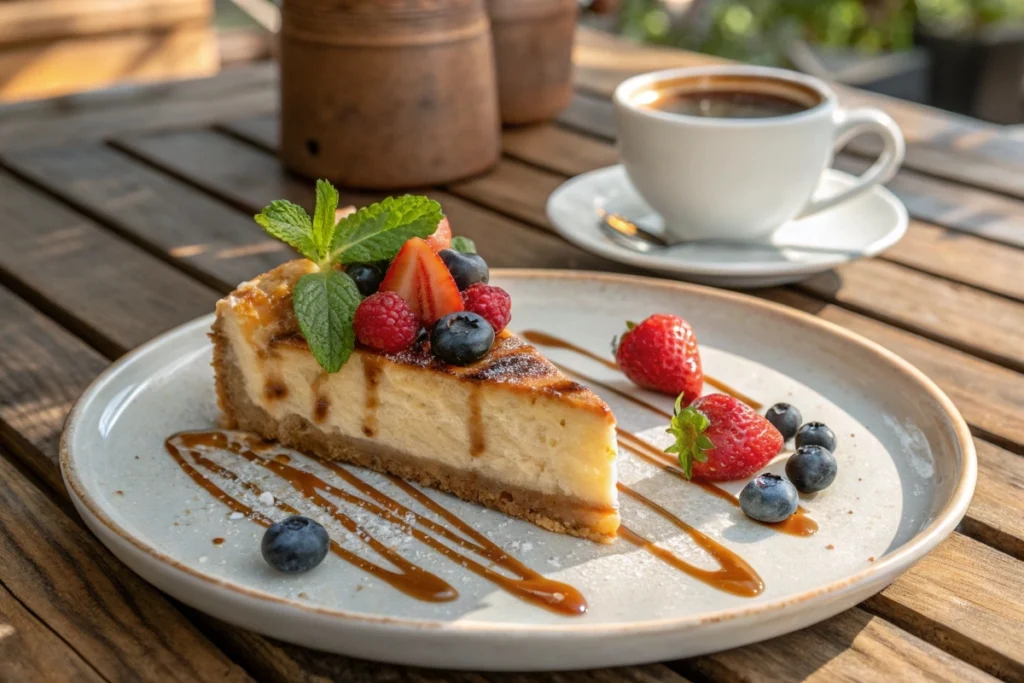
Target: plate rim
column 740, row 270
column 885, row 570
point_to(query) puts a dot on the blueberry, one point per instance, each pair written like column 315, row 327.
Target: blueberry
column 785, row 418
column 367, row 277
column 816, row 434
column 461, row 338
column 811, row 468
column 295, row 545
column 467, row 269
column 768, row 498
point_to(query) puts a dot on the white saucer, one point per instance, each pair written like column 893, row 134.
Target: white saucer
column 857, row 229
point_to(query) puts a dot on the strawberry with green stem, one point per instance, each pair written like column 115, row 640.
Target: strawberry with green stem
column 720, row 438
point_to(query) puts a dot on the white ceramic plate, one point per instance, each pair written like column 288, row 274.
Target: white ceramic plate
column 906, row 474
column 859, row 228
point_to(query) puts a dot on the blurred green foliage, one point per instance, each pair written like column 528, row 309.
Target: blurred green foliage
column 758, row 31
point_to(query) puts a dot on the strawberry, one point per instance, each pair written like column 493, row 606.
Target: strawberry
column 442, row 237
column 719, row 438
column 419, row 276
column 661, row 354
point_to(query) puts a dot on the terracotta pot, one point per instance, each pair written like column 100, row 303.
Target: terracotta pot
column 533, row 51
column 389, row 93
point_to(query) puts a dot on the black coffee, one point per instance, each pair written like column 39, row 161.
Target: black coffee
column 723, row 104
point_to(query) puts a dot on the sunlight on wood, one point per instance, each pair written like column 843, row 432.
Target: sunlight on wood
column 189, row 250
column 249, row 249
column 6, row 630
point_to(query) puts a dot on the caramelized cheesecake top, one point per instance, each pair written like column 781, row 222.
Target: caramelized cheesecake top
column 264, row 306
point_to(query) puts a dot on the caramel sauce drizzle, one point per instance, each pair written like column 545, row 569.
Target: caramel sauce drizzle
column 545, row 339
column 371, row 373
column 734, row 575
column 412, row 580
column 799, row 524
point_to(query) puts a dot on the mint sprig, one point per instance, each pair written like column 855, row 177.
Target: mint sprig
column 691, row 444
column 325, row 301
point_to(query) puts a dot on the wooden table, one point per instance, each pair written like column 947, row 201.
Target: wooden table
column 125, row 213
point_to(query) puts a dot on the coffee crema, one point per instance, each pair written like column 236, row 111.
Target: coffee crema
column 728, row 97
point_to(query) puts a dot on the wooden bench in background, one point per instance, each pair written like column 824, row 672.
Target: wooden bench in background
column 53, row 47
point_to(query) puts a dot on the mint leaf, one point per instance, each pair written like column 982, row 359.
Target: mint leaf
column 463, row 244
column 323, row 217
column 378, row 231
column 325, row 304
column 289, row 223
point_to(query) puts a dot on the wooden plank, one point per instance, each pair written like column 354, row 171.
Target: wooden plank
column 603, row 61
column 112, row 292
column 114, row 620
column 90, row 116
column 55, row 67
column 965, row 598
column 25, row 20
column 248, row 178
column 284, row 663
column 960, row 316
column 951, row 205
column 996, row 515
column 853, row 646
column 29, row 651
column 211, row 241
column 43, row 370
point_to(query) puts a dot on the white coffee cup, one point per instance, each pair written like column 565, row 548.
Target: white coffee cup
column 741, row 178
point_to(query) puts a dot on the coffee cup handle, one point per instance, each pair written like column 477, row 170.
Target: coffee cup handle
column 849, row 124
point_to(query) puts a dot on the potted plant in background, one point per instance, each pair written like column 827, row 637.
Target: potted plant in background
column 977, row 49
column 962, row 55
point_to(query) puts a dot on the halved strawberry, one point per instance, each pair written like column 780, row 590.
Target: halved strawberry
column 419, row 276
column 442, row 237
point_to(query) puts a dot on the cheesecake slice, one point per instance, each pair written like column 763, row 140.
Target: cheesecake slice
column 510, row 431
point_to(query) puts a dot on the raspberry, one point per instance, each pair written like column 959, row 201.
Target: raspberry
column 384, row 322
column 492, row 303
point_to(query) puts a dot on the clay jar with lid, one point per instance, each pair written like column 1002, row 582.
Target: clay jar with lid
column 533, row 51
column 386, row 94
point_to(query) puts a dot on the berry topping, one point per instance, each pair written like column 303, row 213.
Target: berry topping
column 295, row 545
column 420, row 277
column 442, row 237
column 467, row 269
column 816, row 434
column 719, row 438
column 811, row 469
column 366, row 276
column 385, row 322
column 785, row 418
column 492, row 303
column 661, row 354
column 461, row 338
column 769, row 498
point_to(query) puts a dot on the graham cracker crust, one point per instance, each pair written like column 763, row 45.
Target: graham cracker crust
column 561, row 514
